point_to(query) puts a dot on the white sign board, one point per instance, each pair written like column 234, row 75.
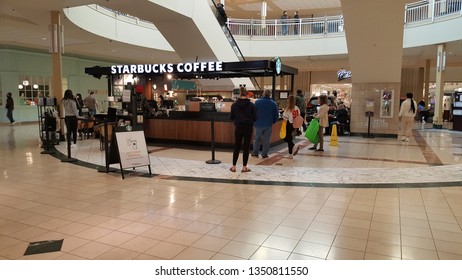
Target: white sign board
column 126, row 95
column 132, row 149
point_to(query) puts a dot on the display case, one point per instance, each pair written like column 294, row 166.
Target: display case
column 457, row 111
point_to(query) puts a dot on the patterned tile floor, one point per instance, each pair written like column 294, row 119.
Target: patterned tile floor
column 364, row 199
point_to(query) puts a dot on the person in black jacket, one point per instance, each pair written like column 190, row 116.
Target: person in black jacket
column 9, row 107
column 244, row 115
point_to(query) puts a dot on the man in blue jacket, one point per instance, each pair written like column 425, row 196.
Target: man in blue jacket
column 267, row 115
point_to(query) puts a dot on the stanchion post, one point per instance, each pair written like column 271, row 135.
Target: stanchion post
column 212, row 130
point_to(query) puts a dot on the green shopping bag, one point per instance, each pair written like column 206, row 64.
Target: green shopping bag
column 311, row 132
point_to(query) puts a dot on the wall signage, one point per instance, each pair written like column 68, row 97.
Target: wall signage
column 343, row 74
column 189, row 67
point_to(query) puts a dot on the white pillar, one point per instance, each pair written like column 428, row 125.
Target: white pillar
column 439, row 94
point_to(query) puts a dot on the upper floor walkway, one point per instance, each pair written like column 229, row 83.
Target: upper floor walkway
column 275, row 37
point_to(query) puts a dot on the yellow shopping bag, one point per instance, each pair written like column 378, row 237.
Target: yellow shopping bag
column 282, row 132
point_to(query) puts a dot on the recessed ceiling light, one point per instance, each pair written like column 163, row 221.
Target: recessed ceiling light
column 113, row 50
column 44, row 38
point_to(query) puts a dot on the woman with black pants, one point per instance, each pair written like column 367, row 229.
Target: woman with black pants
column 244, row 115
column 71, row 114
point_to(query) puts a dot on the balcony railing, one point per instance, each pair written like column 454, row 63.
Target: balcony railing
column 427, row 10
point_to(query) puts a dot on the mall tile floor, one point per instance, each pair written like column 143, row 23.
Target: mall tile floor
column 367, row 198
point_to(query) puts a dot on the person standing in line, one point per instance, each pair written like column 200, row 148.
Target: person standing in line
column 323, row 117
column 296, row 23
column 285, row 28
column 9, row 108
column 300, row 102
column 267, row 115
column 290, row 113
column 406, row 115
column 79, row 100
column 91, row 103
column 244, row 115
column 71, row 114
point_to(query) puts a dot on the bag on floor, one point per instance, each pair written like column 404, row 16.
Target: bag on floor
column 282, row 132
column 311, row 132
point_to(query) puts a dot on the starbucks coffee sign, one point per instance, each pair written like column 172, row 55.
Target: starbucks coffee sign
column 189, row 67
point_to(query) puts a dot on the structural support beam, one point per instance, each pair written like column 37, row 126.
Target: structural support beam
column 439, row 93
column 56, row 49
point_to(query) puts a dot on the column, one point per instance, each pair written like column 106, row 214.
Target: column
column 427, row 82
column 374, row 34
column 56, row 49
column 439, row 94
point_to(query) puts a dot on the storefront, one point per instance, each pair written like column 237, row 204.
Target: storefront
column 189, row 118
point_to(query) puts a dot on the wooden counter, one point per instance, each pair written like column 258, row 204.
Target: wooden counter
column 195, row 128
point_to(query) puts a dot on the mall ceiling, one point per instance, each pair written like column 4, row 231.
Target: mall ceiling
column 24, row 24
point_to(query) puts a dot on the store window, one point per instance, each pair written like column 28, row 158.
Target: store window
column 31, row 88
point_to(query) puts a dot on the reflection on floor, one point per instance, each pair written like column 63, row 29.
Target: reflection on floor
column 364, row 199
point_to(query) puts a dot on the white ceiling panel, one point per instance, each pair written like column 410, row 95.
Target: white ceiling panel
column 294, row 5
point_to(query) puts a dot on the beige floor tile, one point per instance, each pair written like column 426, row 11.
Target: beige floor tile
column 386, row 249
column 448, row 247
column 289, row 232
column 118, row 254
column 330, row 219
column 357, row 223
column 415, row 231
column 312, row 249
column 369, row 256
column 294, row 257
column 212, row 218
column 199, row 227
column 135, row 228
column 115, row 238
column 69, row 257
column 93, row 233
column 385, row 227
column 418, row 242
column 411, row 253
column 415, row 222
column 195, row 254
column 385, row 237
column 73, row 228
column 353, row 232
column 262, row 227
column 251, row 237
column 350, row 243
column 159, row 233
column 440, row 226
column 165, row 250
column 236, row 222
column 211, row 243
column 224, row 232
column 14, row 251
column 147, row 257
column 220, row 256
column 449, row 256
column 139, row 244
column 239, row 249
column 71, row 243
column 184, row 238
column 91, row 250
column 264, row 253
column 280, row 243
column 323, row 227
column 318, row 237
column 336, row 253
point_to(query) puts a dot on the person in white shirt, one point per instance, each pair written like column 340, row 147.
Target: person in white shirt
column 406, row 115
column 290, row 112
